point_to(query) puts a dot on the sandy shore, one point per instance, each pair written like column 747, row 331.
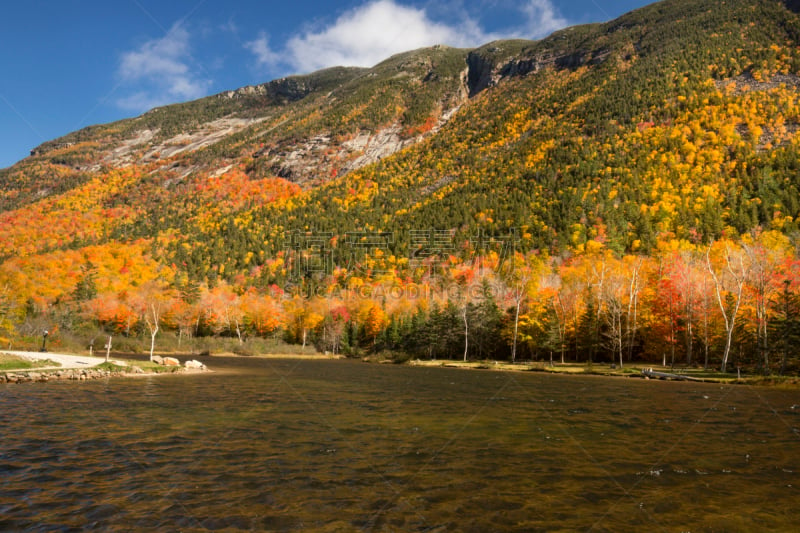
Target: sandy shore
column 281, row 356
column 65, row 360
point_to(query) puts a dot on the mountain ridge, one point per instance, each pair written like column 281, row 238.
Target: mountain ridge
column 671, row 127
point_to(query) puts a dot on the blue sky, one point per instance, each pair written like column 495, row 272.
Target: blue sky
column 71, row 63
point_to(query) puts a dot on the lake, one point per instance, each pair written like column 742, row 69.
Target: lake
column 320, row 445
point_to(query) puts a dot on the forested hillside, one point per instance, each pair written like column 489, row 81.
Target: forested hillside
column 625, row 191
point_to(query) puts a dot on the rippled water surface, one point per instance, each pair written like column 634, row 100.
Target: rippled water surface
column 288, row 445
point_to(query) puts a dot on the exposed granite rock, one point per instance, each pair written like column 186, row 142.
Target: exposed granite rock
column 319, row 158
column 194, row 365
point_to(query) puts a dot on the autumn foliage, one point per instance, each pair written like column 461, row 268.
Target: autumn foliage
column 618, row 192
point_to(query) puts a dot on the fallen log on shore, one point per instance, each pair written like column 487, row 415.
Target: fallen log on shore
column 650, row 373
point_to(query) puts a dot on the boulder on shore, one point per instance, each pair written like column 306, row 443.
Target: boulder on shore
column 171, row 361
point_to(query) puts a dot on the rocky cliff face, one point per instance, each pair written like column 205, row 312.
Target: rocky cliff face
column 259, row 122
column 314, row 160
column 284, row 91
column 489, row 65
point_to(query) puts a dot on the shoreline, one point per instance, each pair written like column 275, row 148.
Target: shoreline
column 81, row 374
column 73, row 367
column 120, row 367
column 606, row 370
column 309, row 356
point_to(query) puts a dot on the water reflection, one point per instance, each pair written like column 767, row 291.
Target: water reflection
column 287, row 445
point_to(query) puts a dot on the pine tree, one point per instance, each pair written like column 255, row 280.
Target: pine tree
column 784, row 329
column 485, row 319
column 86, row 288
column 589, row 329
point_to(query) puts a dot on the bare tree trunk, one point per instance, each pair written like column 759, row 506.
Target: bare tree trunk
column 631, row 324
column 516, row 331
column 786, row 323
column 239, row 333
column 562, row 323
column 620, row 341
column 671, row 334
column 153, row 322
column 729, row 316
column 689, row 344
column 153, row 334
column 705, row 333
column 466, row 331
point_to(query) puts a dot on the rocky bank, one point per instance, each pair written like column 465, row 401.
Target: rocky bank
column 84, row 374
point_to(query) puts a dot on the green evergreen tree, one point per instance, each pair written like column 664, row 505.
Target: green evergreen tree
column 86, row 287
column 485, row 320
column 784, row 328
column 589, row 329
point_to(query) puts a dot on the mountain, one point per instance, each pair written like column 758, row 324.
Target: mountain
column 676, row 121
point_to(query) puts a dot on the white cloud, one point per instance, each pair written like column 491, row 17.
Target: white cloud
column 543, row 19
column 368, row 35
column 159, row 72
column 260, row 48
column 378, row 29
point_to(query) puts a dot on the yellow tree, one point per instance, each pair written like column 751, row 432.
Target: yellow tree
column 302, row 316
column 522, row 276
column 619, row 297
column 532, row 325
column 588, row 273
column 569, row 286
column 729, row 268
column 765, row 256
column 464, row 281
column 151, row 300
column 634, row 266
column 613, row 293
column 375, row 322
column 7, row 311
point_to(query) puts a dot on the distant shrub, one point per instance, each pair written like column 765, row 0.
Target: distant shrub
column 128, row 345
column 243, row 350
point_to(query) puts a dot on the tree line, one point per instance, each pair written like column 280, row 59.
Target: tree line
column 724, row 305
